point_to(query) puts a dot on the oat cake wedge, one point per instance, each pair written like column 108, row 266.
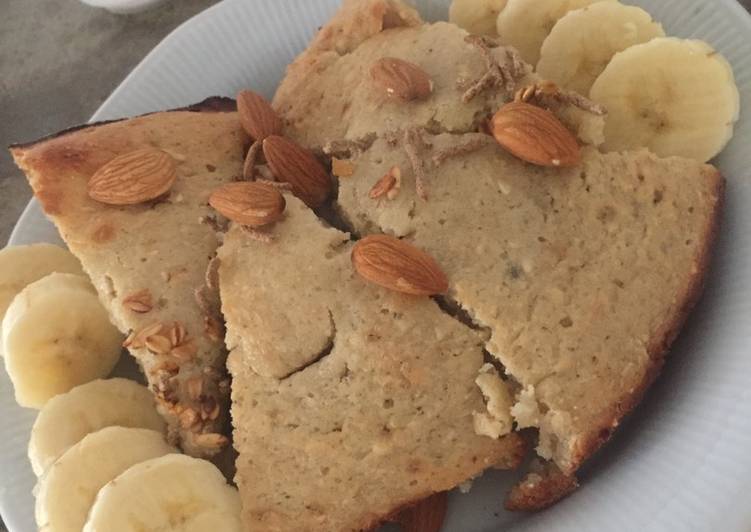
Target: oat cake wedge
column 581, row 277
column 349, row 401
column 149, row 260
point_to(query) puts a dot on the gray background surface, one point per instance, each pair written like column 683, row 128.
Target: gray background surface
column 59, row 60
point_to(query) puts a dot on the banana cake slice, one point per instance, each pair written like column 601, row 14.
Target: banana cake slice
column 349, row 401
column 149, row 261
column 339, row 94
column 580, row 277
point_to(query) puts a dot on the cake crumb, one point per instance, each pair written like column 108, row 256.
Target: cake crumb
column 526, row 411
column 497, row 421
column 465, row 487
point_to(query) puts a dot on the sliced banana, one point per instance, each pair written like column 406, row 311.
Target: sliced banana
column 22, row 265
column 67, row 418
column 584, row 41
column 476, row 16
column 174, row 492
column 56, row 335
column 674, row 96
column 67, row 491
column 524, row 24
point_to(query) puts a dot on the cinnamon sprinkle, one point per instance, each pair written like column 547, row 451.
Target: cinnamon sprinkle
column 547, row 94
column 496, row 74
column 413, row 142
column 457, row 150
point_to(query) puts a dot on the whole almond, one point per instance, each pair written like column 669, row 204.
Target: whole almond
column 397, row 265
column 293, row 164
column 134, row 177
column 535, row 135
column 401, row 79
column 257, row 116
column 249, row 203
column 426, row 516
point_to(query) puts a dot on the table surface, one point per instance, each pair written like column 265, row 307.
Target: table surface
column 60, row 60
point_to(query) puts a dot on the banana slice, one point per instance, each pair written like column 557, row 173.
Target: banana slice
column 68, row 417
column 476, row 16
column 524, row 24
column 584, row 41
column 22, row 265
column 674, row 96
column 56, row 335
column 174, row 492
column 66, row 493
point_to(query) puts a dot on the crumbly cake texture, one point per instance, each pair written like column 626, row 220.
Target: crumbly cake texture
column 544, row 484
column 581, row 278
column 349, row 401
column 328, row 95
column 158, row 252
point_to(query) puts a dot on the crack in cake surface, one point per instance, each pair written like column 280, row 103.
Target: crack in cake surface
column 327, row 349
column 577, row 258
column 542, row 297
column 393, row 396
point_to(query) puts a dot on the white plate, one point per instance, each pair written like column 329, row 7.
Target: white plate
column 682, row 461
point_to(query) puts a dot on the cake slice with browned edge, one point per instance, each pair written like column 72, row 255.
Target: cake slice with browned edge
column 581, row 276
column 580, row 273
column 349, row 400
column 146, row 242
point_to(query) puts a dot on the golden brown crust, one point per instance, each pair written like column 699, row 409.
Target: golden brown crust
column 212, row 104
column 663, row 338
column 532, row 496
column 516, row 452
column 53, row 152
column 426, row 515
column 538, row 491
column 358, row 20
